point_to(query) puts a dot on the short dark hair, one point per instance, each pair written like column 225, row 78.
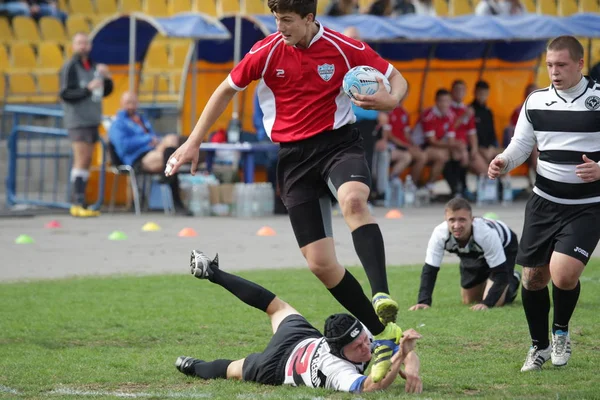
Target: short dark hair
column 567, row 43
column 458, row 82
column 482, row 85
column 300, row 7
column 441, row 92
column 458, row 203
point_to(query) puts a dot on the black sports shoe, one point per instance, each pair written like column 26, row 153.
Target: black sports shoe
column 186, row 365
column 201, row 265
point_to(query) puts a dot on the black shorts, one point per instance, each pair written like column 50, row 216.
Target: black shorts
column 309, row 173
column 474, row 272
column 137, row 164
column 268, row 367
column 573, row 230
column 88, row 134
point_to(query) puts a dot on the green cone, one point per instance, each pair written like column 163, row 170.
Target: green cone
column 24, row 239
column 490, row 215
column 117, row 235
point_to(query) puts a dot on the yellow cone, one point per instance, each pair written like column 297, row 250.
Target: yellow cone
column 266, row 231
column 393, row 214
column 150, row 227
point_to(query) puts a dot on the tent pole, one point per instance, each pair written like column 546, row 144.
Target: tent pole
column 425, row 73
column 132, row 39
column 485, row 58
column 194, row 67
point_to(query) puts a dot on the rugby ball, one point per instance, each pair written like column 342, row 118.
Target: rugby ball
column 363, row 80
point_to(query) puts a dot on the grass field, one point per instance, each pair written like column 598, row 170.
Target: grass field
column 118, row 338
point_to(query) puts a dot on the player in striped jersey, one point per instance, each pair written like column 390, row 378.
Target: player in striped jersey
column 487, row 250
column 562, row 217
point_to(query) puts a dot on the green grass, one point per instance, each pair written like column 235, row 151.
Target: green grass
column 122, row 335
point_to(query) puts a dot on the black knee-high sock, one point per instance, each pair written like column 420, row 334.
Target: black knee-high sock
column 564, row 305
column 368, row 243
column 173, row 181
column 249, row 292
column 212, row 369
column 79, row 190
column 452, row 175
column 536, row 304
column 462, row 173
column 349, row 294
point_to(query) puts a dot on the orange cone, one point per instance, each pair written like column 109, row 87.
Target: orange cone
column 266, row 231
column 187, row 232
column 53, row 224
column 393, row 214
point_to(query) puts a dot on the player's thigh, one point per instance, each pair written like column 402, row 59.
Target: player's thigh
column 473, row 294
column 277, row 311
column 234, row 370
column 311, row 220
column 473, row 276
column 540, row 227
column 153, row 161
column 298, row 177
column 579, row 233
column 437, row 154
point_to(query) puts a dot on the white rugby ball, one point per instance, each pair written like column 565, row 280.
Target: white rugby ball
column 363, row 80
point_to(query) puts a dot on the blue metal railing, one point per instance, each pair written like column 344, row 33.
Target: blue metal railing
column 54, row 135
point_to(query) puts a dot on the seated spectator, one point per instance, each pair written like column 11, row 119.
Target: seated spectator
column 401, row 143
column 484, row 123
column 33, row 8
column 381, row 8
column 500, row 7
column 137, row 145
column 403, row 7
column 509, row 131
column 337, row 8
column 424, row 7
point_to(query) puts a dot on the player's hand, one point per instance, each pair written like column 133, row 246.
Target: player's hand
column 496, row 167
column 413, row 384
column 589, row 171
column 479, row 307
column 186, row 153
column 419, row 307
column 380, row 100
column 102, row 70
column 94, row 84
column 409, row 341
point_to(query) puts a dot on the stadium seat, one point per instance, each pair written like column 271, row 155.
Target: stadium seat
column 530, row 6
column 268, row 10
column 49, row 87
column 106, row 7
column 228, row 7
column 25, row 29
column 4, row 64
column 21, row 87
column 52, row 29
column 50, row 57
column 95, row 20
column 6, row 34
column 156, row 8
column 84, row 7
column 460, row 7
column 157, row 57
column 63, row 5
column 129, row 6
column 208, row 7
column 251, row 7
column 154, row 88
column 22, row 57
column 179, row 6
column 547, row 7
column 567, row 7
column 77, row 23
column 589, row 6
column 178, row 54
column 441, row 7
column 595, row 52
column 176, row 81
column 321, row 7
column 363, row 4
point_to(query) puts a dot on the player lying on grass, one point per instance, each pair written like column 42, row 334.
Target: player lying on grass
column 298, row 354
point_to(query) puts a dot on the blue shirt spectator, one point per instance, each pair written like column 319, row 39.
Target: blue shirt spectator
column 132, row 136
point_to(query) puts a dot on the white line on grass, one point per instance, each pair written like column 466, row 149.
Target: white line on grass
column 169, row 395
column 5, row 389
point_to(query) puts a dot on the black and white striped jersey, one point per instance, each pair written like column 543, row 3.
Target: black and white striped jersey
column 488, row 239
column 565, row 125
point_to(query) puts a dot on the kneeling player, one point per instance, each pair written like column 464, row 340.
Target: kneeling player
column 298, row 354
column 487, row 250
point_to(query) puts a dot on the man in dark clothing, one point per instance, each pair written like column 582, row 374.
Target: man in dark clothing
column 484, row 122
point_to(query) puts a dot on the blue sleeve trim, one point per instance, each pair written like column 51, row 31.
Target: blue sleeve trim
column 357, row 385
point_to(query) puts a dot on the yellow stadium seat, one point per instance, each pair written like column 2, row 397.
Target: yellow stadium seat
column 441, row 7
column 567, row 7
column 129, row 6
column 157, row 57
column 4, row 64
column 25, row 29
column 48, row 84
column 50, row 56
column 6, row 34
column 268, row 10
column 68, row 52
column 251, row 7
column 77, row 23
column 529, row 6
column 22, row 56
column 21, row 87
column 460, row 7
column 208, row 7
column 547, row 7
column 179, row 6
column 179, row 52
column 362, row 4
column 106, row 7
column 156, row 8
column 2, row 86
column 84, row 7
column 595, row 52
column 154, row 88
column 176, row 81
column 589, row 6
column 63, row 5
column 52, row 29
column 228, row 7
column 321, row 7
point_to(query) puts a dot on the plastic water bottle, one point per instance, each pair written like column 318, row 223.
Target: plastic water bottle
column 98, row 93
column 195, row 204
column 480, row 189
column 410, row 192
column 234, row 130
column 507, row 191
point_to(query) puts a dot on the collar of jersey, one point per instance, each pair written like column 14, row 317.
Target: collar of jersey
column 317, row 36
column 590, row 84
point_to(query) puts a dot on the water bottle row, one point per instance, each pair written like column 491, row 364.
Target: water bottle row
column 253, row 200
column 488, row 190
column 407, row 195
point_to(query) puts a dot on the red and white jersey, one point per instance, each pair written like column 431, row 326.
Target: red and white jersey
column 300, row 90
column 312, row 364
column 434, row 124
column 466, row 126
column 400, row 122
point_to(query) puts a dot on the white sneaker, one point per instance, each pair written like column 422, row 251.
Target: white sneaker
column 561, row 348
column 536, row 358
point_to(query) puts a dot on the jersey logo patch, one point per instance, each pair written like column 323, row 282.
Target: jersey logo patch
column 326, row 71
column 592, row 103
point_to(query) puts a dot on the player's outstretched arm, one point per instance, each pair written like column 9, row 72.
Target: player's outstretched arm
column 413, row 384
column 382, row 100
column 188, row 152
